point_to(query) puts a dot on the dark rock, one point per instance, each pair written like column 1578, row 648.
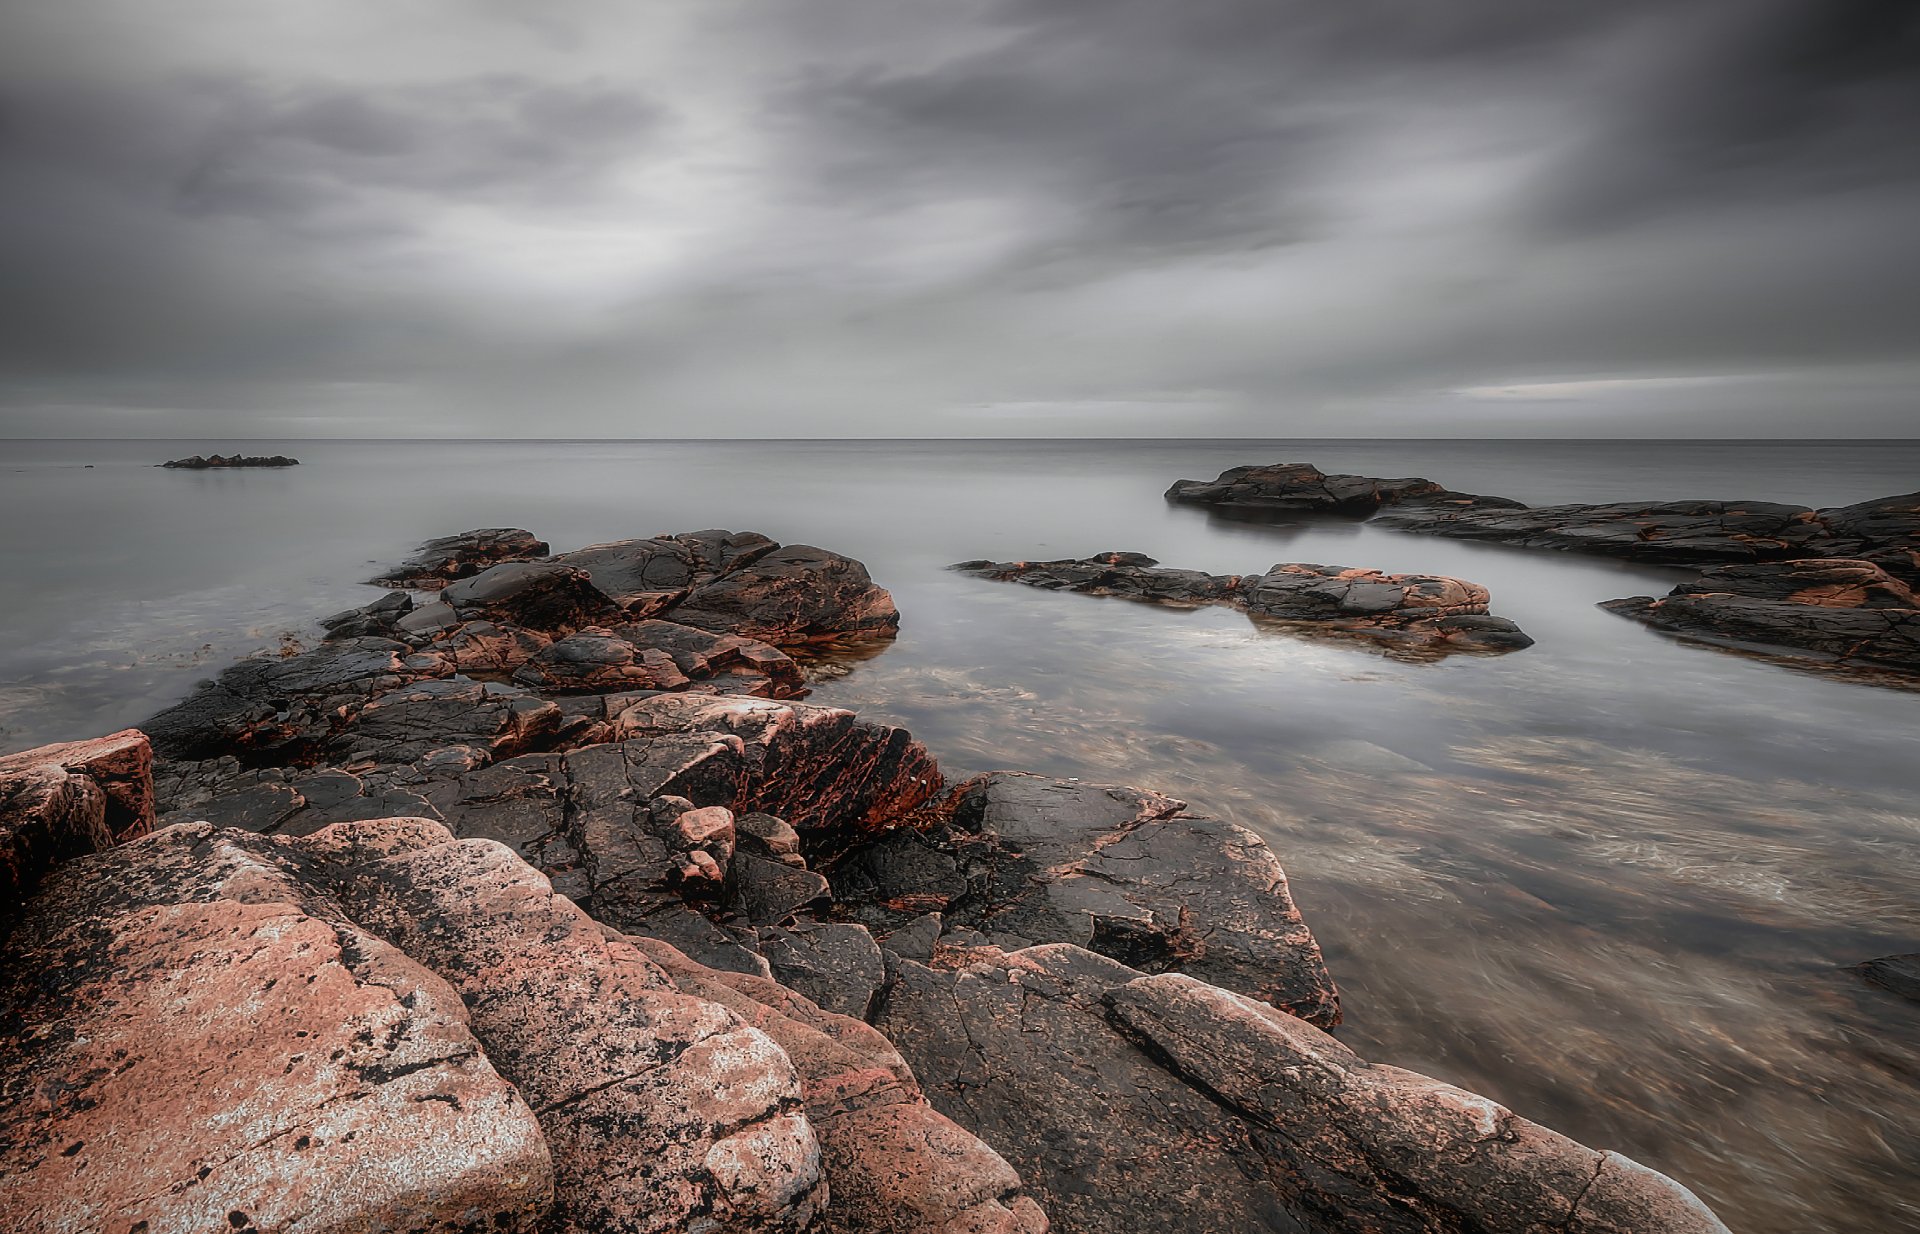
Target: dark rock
column 836, row 964
column 1427, row 614
column 767, row 836
column 540, row 596
column 1839, row 611
column 768, row 892
column 598, row 661
column 483, row 647
column 63, row 801
column 198, row 463
column 1898, row 973
column 377, row 620
column 275, row 709
column 647, row 576
column 1144, row 1104
column 792, row 596
column 441, row 561
column 1675, row 532
column 1885, row 531
column 1123, row 872
column 1296, row 488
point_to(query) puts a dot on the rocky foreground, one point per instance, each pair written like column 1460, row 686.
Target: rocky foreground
column 440, row 927
column 1415, row 613
column 1832, row 585
column 198, row 462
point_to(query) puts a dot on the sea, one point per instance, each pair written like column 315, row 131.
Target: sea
column 1614, row 881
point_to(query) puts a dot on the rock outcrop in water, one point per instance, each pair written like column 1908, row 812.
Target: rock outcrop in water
column 1418, row 612
column 414, row 949
column 1848, row 612
column 1834, row 583
column 216, row 461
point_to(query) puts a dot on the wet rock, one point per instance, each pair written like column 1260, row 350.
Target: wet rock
column 443, row 560
column 1145, row 1104
column 63, row 801
column 768, row 892
column 189, row 1044
column 791, row 596
column 836, row 964
column 540, row 596
column 276, row 710
column 703, row 655
column 1841, row 611
column 1885, row 531
column 1125, row 873
column 377, row 620
column 197, row 462
column 767, row 836
column 412, row 721
column 1677, row 532
column 1429, row 613
column 483, row 647
column 1898, row 973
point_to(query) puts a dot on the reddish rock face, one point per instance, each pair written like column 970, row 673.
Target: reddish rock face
column 187, row 1048
column 64, row 801
column 792, row 596
column 441, row 561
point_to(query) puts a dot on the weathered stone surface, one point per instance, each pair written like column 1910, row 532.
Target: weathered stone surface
column 767, row 836
column 1842, row 611
column 1122, row 872
column 190, row 1045
column 1885, row 531
column 895, row 1165
column 647, row 576
column 791, row 596
column 441, row 561
column 1898, row 973
column 836, row 964
column 1679, row 532
column 483, row 647
column 1146, row 1104
column 63, row 801
column 375, row 620
column 1429, row 613
column 541, row 596
column 703, row 655
column 660, row 655
column 768, row 892
column 662, row 1109
column 598, row 661
column 276, row 709
column 196, row 462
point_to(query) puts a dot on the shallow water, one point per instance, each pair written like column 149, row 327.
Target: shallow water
column 1610, row 880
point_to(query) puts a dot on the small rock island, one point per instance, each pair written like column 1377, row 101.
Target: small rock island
column 216, row 462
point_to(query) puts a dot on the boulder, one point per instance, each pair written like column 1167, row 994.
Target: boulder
column 647, row 576
column 792, row 596
column 1125, row 873
column 376, row 620
column 540, row 596
column 598, row 661
column 1839, row 611
column 1420, row 613
column 63, row 801
column 441, row 561
column 1898, row 973
column 1138, row 1104
column 194, row 1042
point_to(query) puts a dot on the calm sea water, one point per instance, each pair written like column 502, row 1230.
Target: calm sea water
column 1610, row 880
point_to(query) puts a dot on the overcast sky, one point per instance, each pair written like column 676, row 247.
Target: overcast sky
column 960, row 217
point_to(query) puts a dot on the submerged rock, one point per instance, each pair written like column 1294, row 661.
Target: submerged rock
column 1839, row 611
column 1430, row 613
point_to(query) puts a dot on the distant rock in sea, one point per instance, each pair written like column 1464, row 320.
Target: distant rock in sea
column 199, row 463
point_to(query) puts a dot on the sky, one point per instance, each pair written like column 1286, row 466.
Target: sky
column 871, row 218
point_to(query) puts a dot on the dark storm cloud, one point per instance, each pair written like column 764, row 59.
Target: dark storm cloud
column 857, row 216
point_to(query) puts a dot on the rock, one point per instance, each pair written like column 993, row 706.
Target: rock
column 483, row 647
column 596, row 660
column 441, row 561
column 1125, row 873
column 791, row 596
column 836, row 964
column 266, row 710
column 412, row 721
column 1898, row 973
column 767, row 892
column 648, row 576
column 1841, row 611
column 63, row 801
column 767, row 836
column 540, row 596
column 1147, row 1104
column 660, row 655
column 1303, row 488
column 663, row 1109
column 1677, row 532
column 377, row 620
column 191, row 1045
column 703, row 655
column 1885, row 531
column 197, row 463
column 1424, row 613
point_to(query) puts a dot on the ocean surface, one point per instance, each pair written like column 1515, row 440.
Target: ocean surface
column 1611, row 881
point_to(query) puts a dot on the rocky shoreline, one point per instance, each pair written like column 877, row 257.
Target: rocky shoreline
column 1833, row 586
column 536, row 899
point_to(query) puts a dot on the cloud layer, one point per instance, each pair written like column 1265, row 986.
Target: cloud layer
column 993, row 217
